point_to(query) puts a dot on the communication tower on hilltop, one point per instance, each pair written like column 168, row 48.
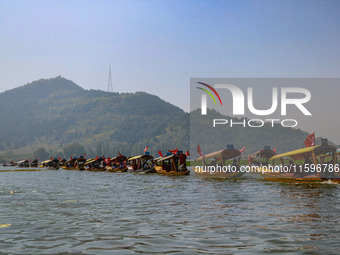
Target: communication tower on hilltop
column 109, row 85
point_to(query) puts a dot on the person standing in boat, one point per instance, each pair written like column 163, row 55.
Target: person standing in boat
column 182, row 161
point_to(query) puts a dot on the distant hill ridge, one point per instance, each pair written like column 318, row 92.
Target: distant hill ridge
column 46, row 87
column 53, row 113
column 56, row 115
column 284, row 139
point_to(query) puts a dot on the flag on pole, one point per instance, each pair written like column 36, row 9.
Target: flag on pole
column 160, row 153
column 187, row 153
column 310, row 140
column 173, row 151
column 242, row 150
column 199, row 151
column 146, row 148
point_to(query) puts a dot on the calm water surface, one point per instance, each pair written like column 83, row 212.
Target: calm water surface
column 72, row 212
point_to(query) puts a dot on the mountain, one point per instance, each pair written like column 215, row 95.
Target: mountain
column 213, row 139
column 56, row 117
column 55, row 113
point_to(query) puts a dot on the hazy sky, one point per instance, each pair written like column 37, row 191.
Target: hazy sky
column 157, row 46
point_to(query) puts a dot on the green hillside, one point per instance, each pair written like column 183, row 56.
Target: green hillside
column 56, row 117
column 284, row 139
column 55, row 113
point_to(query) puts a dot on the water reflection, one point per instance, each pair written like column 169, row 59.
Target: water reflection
column 309, row 212
column 97, row 213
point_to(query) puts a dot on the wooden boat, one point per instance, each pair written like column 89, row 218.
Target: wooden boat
column 53, row 168
column 62, row 162
column 96, row 165
column 80, row 164
column 142, row 164
column 217, row 168
column 69, row 164
column 160, row 170
column 51, row 164
column 316, row 167
column 23, row 163
column 261, row 157
column 117, row 164
column 327, row 157
column 67, row 168
column 168, row 165
column 34, row 163
column 12, row 163
column 151, row 170
column 116, row 169
column 45, row 163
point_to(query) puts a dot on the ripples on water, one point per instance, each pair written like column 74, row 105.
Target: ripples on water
column 53, row 212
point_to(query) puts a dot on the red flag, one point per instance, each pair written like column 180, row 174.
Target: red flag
column 97, row 158
column 199, row 151
column 173, row 151
column 160, row 153
column 84, row 155
column 50, row 158
column 59, row 158
column 310, row 140
column 119, row 153
column 146, row 148
column 71, row 158
column 242, row 150
column 187, row 153
column 274, row 150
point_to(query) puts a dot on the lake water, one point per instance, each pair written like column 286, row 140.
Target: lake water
column 72, row 212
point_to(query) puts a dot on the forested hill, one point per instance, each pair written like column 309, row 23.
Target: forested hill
column 57, row 113
column 283, row 138
column 56, row 117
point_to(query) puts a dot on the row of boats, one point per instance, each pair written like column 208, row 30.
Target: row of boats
column 312, row 164
column 174, row 163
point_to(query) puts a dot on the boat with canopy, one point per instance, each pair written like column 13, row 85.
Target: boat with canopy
column 261, row 157
column 117, row 164
column 223, row 163
column 142, row 164
column 95, row 164
column 311, row 164
column 172, row 164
